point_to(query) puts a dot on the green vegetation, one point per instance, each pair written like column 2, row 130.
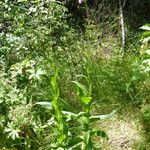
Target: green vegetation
column 74, row 76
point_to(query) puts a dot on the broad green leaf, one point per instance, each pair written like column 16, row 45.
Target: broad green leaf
column 36, row 74
column 145, row 27
column 12, row 131
column 146, row 34
column 87, row 136
column 102, row 117
column 69, row 115
column 82, row 88
column 75, row 117
column 13, row 134
column 86, row 100
column 35, row 1
column 83, row 120
column 145, row 40
column 146, row 61
column 148, row 51
column 47, row 105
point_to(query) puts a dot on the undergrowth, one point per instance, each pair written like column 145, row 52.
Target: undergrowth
column 54, row 78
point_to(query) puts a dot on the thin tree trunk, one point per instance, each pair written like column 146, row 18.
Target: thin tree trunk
column 123, row 35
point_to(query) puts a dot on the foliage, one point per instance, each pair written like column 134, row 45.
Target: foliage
column 30, row 28
column 145, row 52
column 65, row 137
column 43, row 55
column 146, row 67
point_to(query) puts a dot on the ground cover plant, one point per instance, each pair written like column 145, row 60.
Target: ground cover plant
column 66, row 80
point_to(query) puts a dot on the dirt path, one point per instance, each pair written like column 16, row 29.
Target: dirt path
column 124, row 133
